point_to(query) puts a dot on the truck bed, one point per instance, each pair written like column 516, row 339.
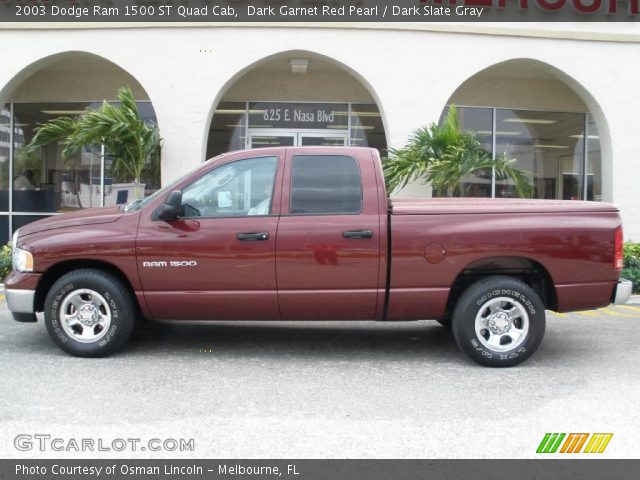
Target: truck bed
column 449, row 206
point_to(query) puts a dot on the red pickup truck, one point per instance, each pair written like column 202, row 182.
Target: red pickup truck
column 309, row 234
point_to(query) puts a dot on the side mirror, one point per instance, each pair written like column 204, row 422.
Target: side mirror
column 170, row 209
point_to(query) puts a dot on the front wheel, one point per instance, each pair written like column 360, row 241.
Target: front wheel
column 89, row 313
column 499, row 321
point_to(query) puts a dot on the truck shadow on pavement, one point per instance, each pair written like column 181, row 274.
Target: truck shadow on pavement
column 568, row 342
column 297, row 339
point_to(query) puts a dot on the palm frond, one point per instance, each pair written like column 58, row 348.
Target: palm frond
column 58, row 130
column 445, row 155
column 119, row 128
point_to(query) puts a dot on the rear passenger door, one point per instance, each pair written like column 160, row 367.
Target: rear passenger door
column 328, row 247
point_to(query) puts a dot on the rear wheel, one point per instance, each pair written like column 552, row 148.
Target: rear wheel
column 89, row 313
column 499, row 321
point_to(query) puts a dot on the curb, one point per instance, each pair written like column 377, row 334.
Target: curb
column 634, row 300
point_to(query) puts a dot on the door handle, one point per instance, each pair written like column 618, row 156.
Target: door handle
column 357, row 233
column 253, row 236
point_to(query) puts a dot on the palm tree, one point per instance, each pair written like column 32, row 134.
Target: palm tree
column 444, row 155
column 128, row 139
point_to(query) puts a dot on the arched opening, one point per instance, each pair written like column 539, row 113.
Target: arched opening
column 33, row 186
column 532, row 113
column 295, row 98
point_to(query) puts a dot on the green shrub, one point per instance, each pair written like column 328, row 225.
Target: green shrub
column 631, row 270
column 5, row 261
column 631, row 250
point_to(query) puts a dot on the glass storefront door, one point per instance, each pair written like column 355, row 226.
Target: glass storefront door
column 263, row 139
column 272, row 138
column 326, row 139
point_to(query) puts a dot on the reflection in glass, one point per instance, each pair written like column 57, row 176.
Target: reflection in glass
column 322, row 140
column 259, row 141
column 549, row 145
column 367, row 129
column 45, row 182
column 594, row 161
column 5, row 236
column 480, row 121
column 5, row 149
column 227, row 130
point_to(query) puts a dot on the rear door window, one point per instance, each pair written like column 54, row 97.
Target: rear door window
column 325, row 184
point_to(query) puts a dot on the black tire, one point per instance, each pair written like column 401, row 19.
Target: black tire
column 525, row 326
column 101, row 296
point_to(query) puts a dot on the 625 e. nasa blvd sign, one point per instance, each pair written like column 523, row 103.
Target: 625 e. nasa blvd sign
column 300, row 115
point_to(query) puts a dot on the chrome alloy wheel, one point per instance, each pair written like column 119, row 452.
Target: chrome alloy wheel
column 85, row 315
column 502, row 324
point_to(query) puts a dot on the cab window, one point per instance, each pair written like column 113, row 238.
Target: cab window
column 241, row 188
column 325, row 184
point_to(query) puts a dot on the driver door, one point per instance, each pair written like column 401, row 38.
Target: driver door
column 217, row 261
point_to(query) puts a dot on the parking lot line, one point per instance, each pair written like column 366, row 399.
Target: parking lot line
column 609, row 311
column 629, row 307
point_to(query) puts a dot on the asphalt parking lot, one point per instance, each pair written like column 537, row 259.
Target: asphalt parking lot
column 324, row 390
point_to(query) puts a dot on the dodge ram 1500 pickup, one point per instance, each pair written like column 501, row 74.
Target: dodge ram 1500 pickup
column 309, row 233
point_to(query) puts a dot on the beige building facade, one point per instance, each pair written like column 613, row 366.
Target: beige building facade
column 561, row 99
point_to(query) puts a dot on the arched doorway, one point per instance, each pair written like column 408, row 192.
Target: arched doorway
column 295, row 98
column 531, row 113
column 36, row 185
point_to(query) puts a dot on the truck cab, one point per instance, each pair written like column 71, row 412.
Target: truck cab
column 286, row 233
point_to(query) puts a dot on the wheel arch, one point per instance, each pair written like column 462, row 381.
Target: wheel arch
column 53, row 273
column 531, row 272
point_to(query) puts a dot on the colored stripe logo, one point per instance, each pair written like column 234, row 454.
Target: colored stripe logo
column 574, row 443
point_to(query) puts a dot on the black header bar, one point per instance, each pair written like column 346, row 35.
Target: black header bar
column 235, row 11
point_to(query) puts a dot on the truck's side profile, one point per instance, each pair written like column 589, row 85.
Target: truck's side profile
column 308, row 233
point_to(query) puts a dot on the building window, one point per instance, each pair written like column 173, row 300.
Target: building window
column 5, row 156
column 479, row 120
column 367, row 129
column 549, row 146
column 34, row 186
column 239, row 125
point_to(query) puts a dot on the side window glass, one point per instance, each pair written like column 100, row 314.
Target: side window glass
column 325, row 184
column 236, row 189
